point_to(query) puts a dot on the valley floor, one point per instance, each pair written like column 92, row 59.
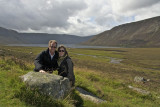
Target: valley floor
column 107, row 73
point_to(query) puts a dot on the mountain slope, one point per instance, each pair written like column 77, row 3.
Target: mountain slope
column 9, row 36
column 145, row 33
column 13, row 37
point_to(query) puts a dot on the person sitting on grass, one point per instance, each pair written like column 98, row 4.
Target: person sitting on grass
column 65, row 65
column 46, row 61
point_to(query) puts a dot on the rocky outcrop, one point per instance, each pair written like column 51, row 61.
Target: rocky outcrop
column 47, row 84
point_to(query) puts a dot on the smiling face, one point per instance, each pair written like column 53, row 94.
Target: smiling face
column 61, row 52
column 52, row 47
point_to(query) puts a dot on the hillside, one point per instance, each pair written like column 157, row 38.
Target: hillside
column 9, row 36
column 145, row 33
column 13, row 37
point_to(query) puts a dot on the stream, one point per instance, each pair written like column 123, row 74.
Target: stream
column 112, row 60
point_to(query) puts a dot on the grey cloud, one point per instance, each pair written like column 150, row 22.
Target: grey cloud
column 37, row 14
column 79, row 21
column 110, row 20
column 52, row 15
column 103, row 20
column 133, row 4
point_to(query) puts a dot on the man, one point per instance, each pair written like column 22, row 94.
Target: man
column 46, row 61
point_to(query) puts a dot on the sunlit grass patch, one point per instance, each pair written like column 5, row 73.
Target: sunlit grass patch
column 9, row 83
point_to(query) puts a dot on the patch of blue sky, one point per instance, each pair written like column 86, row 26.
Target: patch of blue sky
column 130, row 19
column 92, row 19
column 124, row 20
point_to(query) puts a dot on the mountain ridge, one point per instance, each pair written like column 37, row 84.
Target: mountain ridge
column 145, row 33
column 8, row 36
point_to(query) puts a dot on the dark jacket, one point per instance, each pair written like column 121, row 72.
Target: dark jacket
column 43, row 61
column 66, row 69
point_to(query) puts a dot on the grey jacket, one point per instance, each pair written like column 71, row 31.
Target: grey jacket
column 66, row 69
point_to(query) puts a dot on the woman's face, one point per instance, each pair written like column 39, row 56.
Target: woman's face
column 61, row 52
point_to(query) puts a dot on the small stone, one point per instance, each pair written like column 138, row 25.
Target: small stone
column 138, row 79
column 141, row 79
column 144, row 92
column 148, row 79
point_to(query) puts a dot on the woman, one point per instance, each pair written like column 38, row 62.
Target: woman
column 65, row 65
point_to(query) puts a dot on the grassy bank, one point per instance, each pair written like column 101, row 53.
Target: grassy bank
column 13, row 93
column 93, row 72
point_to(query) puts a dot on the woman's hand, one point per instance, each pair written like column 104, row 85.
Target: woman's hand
column 42, row 71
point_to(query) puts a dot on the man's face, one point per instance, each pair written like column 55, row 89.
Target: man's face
column 52, row 47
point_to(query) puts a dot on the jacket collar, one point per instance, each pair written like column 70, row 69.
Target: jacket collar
column 55, row 54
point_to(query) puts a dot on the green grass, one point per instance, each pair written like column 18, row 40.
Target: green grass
column 9, row 83
column 128, row 68
column 14, row 93
column 114, row 92
column 95, row 74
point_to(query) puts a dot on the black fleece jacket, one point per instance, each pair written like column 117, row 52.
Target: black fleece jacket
column 43, row 61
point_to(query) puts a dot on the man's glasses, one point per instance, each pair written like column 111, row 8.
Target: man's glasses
column 53, row 46
column 61, row 51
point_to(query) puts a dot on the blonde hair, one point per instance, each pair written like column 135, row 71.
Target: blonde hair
column 65, row 50
column 52, row 41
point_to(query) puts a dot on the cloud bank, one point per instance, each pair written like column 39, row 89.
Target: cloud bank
column 77, row 17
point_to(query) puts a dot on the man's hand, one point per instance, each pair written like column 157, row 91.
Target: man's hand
column 42, row 71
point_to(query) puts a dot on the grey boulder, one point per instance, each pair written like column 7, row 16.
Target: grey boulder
column 48, row 84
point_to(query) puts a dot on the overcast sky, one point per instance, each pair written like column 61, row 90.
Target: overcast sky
column 76, row 17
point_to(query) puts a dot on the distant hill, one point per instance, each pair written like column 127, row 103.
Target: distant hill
column 145, row 33
column 8, row 36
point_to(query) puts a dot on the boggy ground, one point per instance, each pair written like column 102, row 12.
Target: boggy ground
column 93, row 72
